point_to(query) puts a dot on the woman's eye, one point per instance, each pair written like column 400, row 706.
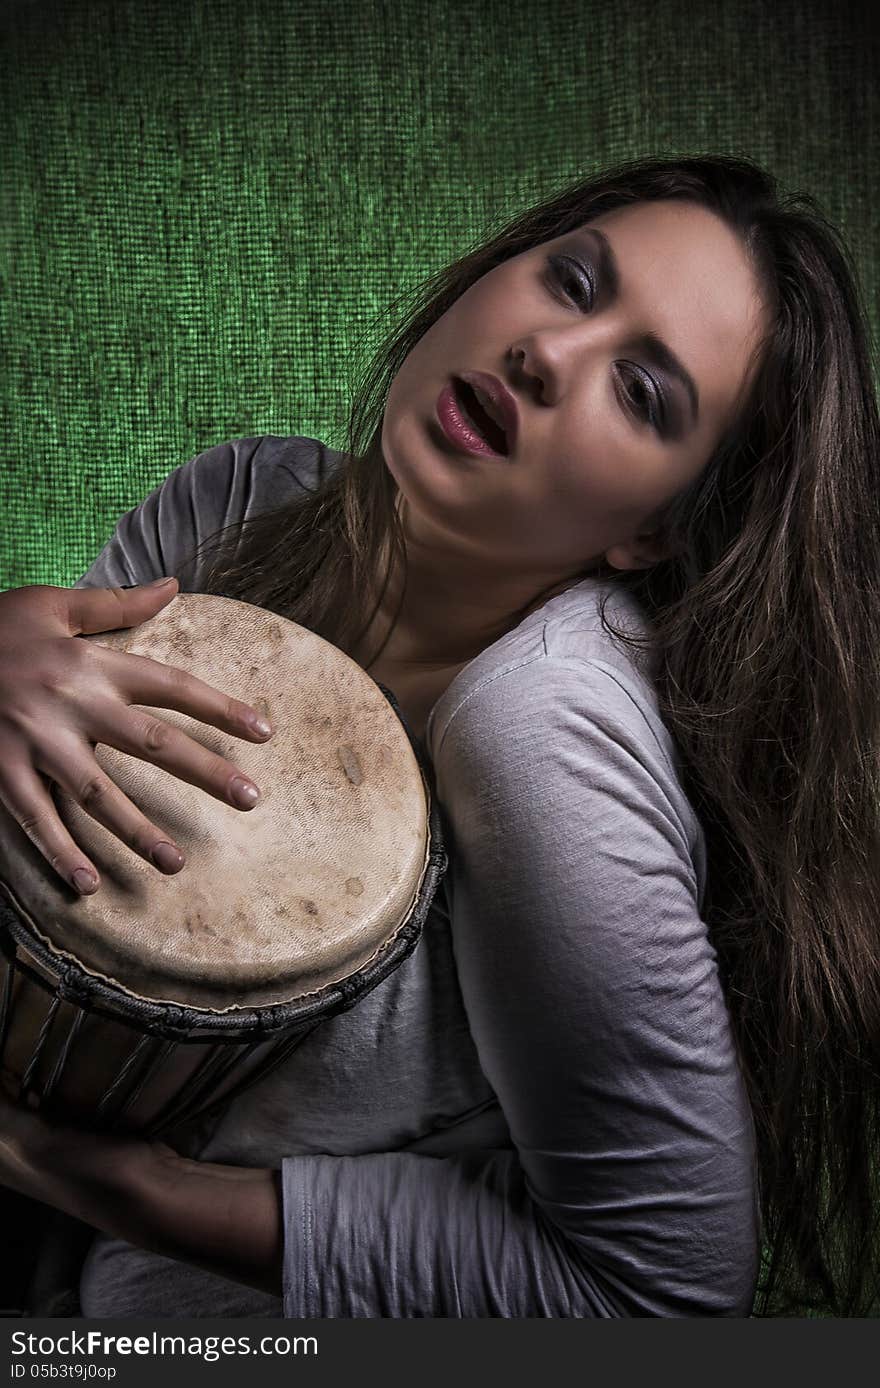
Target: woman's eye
column 643, row 401
column 573, row 278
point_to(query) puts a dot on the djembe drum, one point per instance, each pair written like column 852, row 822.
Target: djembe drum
column 159, row 997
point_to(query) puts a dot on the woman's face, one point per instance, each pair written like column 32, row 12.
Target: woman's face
column 606, row 432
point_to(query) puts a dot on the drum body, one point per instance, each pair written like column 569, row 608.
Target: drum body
column 159, row 997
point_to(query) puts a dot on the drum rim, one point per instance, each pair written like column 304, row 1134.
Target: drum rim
column 178, row 1021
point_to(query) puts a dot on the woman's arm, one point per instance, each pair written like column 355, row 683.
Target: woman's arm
column 226, row 483
column 225, row 1219
column 593, row 997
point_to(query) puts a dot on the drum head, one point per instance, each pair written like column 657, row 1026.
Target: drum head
column 273, row 903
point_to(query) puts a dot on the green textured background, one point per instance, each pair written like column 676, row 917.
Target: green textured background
column 204, row 203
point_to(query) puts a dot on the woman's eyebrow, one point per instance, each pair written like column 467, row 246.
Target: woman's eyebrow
column 653, row 347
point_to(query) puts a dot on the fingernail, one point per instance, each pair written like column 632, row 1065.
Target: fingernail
column 167, row 857
column 243, row 793
column 159, row 582
column 259, row 725
column 84, row 881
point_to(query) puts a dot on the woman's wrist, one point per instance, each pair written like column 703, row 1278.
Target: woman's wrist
column 224, row 1219
column 93, row 1176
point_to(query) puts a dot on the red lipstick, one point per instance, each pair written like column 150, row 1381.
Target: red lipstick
column 481, row 420
column 497, row 401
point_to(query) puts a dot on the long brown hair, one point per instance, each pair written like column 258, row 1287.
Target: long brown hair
column 765, row 648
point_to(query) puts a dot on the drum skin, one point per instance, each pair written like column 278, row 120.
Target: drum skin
column 276, row 908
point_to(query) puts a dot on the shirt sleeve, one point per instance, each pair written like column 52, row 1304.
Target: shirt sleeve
column 226, row 483
column 593, row 996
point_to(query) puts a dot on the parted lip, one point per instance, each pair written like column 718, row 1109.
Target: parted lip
column 497, row 400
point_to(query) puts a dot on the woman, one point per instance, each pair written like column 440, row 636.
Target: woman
column 640, row 1032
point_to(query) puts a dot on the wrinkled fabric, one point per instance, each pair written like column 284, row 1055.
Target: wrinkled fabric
column 540, row 1112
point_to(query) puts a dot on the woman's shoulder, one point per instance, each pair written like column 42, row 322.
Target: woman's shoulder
column 561, row 693
column 228, row 482
column 564, row 646
column 260, row 471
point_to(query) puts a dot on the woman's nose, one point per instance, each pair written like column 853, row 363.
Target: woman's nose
column 552, row 361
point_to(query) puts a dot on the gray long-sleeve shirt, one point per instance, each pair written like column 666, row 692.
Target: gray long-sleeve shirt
column 540, row 1112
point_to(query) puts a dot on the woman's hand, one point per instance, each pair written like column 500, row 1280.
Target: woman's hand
column 66, row 1167
column 224, row 1219
column 59, row 697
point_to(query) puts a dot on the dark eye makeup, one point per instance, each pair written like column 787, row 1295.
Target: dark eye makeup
column 567, row 274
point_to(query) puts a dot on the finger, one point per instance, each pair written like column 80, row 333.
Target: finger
column 89, row 786
column 28, row 801
column 142, row 735
column 144, row 681
column 90, row 610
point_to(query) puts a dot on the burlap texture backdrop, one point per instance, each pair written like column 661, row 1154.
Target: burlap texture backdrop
column 205, row 203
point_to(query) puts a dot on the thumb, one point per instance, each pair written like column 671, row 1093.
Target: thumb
column 92, row 610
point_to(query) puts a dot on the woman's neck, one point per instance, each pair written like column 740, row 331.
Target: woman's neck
column 452, row 605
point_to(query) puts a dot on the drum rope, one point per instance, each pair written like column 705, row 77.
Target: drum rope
column 27, row 1077
column 160, row 1055
column 214, row 1069
column 70, row 988
column 61, row 1062
column 6, row 1004
column 127, row 1067
column 283, row 1048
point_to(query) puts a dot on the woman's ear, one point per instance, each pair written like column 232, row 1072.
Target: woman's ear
column 642, row 552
